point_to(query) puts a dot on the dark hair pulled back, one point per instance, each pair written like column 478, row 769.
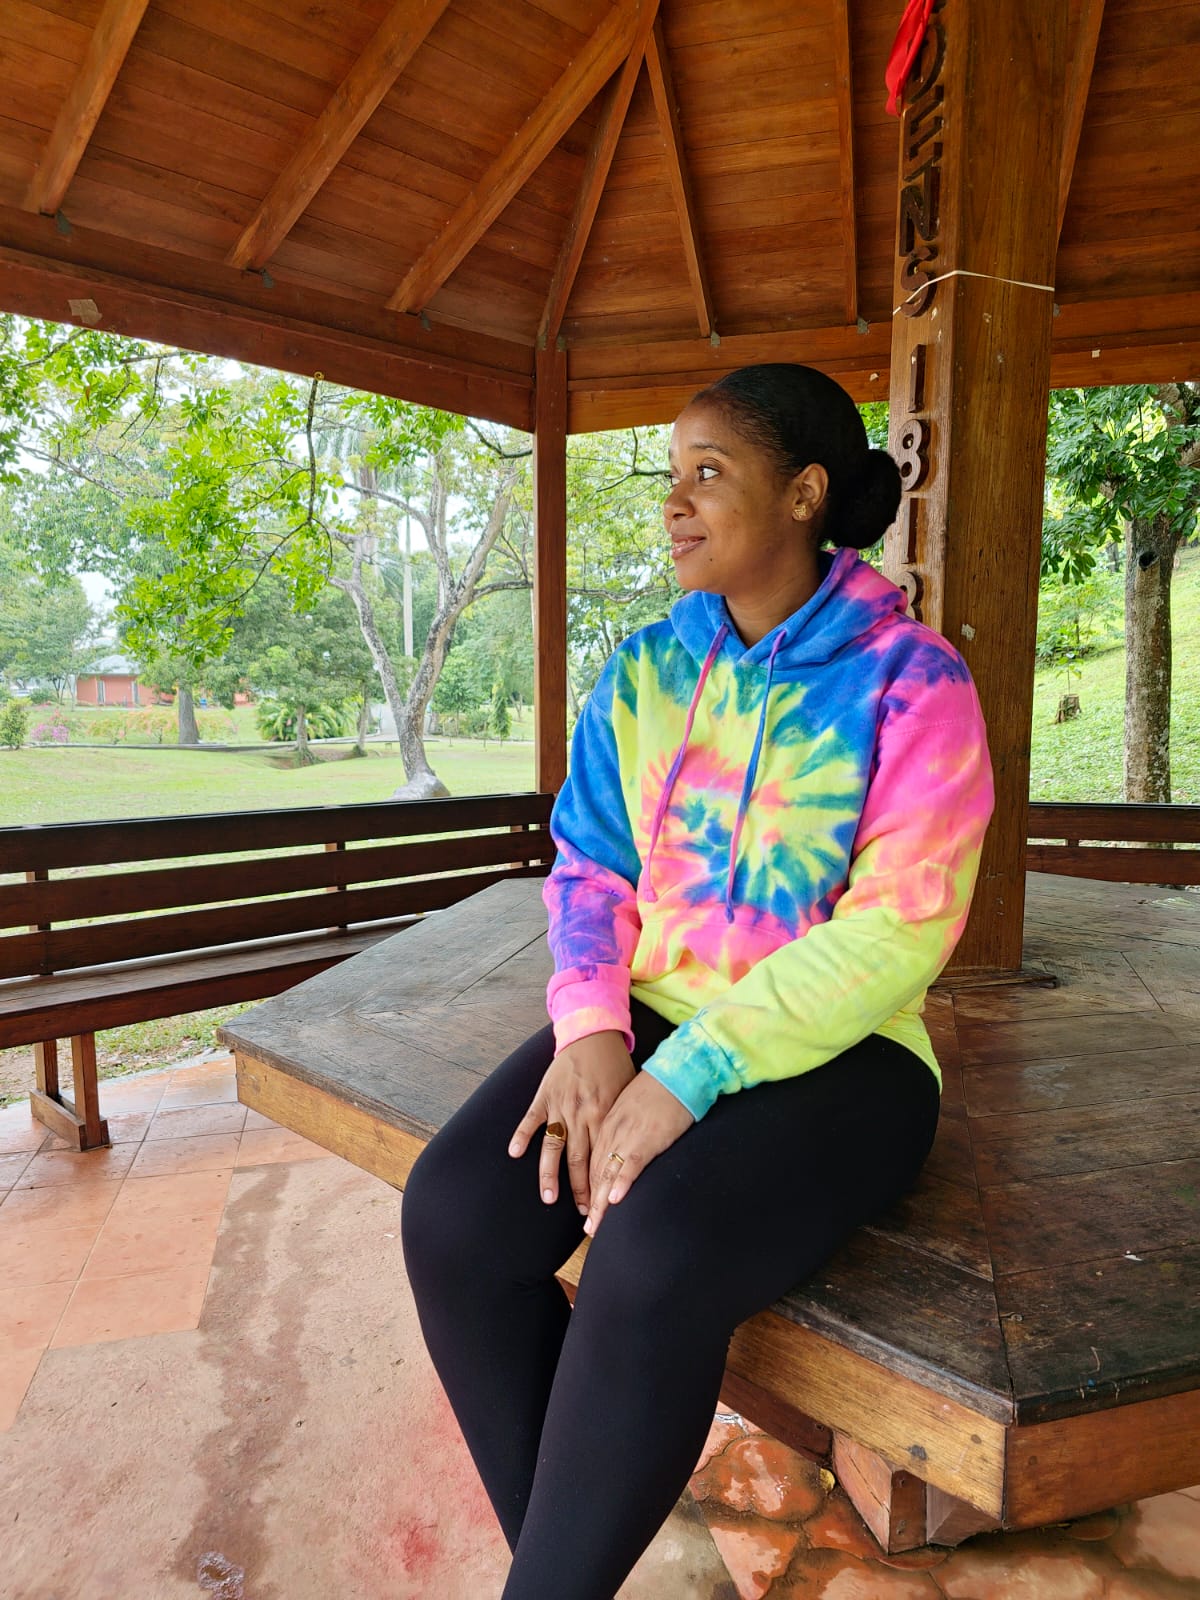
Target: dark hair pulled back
column 802, row 418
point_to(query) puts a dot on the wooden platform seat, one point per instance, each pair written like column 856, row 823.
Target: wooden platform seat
column 1018, row 1344
column 213, row 919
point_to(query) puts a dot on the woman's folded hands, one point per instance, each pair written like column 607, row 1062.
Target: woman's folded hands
column 609, row 1118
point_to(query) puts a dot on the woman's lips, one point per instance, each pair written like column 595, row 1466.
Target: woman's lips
column 682, row 547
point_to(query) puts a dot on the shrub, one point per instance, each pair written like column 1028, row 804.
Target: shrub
column 278, row 721
column 14, row 721
column 50, row 733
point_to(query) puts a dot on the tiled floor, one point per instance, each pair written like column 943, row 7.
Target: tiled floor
column 212, row 1384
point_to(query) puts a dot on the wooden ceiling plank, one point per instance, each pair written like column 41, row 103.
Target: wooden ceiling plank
column 528, row 148
column 1079, row 81
column 595, row 177
column 397, row 40
column 106, row 50
column 666, row 106
column 845, row 100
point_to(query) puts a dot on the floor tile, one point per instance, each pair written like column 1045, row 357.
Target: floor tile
column 755, row 1555
column 70, row 1205
column 17, row 1368
column 128, row 1127
column 1162, row 1534
column 200, row 1089
column 177, row 1194
column 11, row 1168
column 19, row 1131
column 202, row 1153
column 30, row 1315
column 51, row 1167
column 105, row 1309
column 265, row 1145
column 255, row 1119
column 41, row 1252
column 191, row 1120
column 128, row 1244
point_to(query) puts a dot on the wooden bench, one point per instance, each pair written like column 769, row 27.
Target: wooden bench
column 1018, row 1344
column 83, row 949
column 1115, row 843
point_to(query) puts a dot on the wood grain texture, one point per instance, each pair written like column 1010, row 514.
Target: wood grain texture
column 843, row 79
column 1079, row 80
column 666, row 105
column 395, row 42
column 550, row 570
column 986, row 345
column 529, row 146
column 106, row 51
column 1089, row 1463
column 890, row 1502
column 595, row 178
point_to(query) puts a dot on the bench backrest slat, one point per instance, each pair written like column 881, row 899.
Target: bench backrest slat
column 1147, row 824
column 67, row 948
column 102, row 844
column 125, row 893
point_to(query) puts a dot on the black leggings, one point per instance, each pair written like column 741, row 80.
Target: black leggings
column 585, row 1425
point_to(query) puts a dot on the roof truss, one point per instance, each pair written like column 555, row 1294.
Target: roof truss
column 399, row 37
column 528, row 148
column 1079, row 81
column 595, row 176
column 845, row 99
column 665, row 104
column 107, row 48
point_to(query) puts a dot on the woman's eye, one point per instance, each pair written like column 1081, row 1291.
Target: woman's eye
column 705, row 472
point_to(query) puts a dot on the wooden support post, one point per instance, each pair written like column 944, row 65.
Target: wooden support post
column 977, row 227
column 45, row 1059
column 81, row 1124
column 550, row 569
column 890, row 1502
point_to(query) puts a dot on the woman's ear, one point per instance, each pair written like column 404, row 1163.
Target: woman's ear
column 809, row 491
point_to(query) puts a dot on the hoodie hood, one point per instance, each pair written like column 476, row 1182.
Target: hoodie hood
column 852, row 599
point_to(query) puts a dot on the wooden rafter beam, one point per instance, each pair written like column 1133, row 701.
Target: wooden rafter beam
column 396, row 41
column 107, row 48
column 1079, row 81
column 595, row 176
column 663, row 89
column 527, row 149
column 845, row 99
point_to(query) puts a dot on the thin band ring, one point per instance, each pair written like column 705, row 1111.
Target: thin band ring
column 613, row 1156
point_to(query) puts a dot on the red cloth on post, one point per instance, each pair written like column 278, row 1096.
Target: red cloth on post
column 906, row 48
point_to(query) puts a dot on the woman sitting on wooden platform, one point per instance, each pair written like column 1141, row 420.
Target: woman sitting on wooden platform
column 766, row 852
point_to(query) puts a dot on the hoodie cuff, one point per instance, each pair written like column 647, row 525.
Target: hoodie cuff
column 693, row 1068
column 598, row 1003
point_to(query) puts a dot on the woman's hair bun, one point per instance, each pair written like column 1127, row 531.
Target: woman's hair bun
column 864, row 505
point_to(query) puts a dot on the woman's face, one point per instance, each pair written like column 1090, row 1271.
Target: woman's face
column 731, row 518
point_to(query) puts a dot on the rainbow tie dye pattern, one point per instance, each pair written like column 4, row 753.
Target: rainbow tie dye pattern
column 774, row 847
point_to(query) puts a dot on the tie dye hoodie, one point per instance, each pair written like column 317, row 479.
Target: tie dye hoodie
column 774, row 847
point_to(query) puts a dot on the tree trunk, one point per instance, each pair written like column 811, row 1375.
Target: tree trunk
column 421, row 782
column 189, row 733
column 364, row 719
column 1150, row 546
column 304, row 756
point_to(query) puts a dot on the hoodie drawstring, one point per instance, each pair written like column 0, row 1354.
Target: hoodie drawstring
column 748, row 784
column 664, row 799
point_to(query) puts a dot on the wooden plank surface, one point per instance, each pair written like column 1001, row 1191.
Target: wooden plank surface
column 81, row 844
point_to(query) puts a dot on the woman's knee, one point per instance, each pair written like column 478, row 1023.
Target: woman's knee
column 443, row 1214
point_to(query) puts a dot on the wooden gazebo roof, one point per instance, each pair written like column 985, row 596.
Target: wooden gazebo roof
column 410, row 195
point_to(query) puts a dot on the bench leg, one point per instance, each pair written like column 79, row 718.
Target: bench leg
column 902, row 1511
column 80, row 1124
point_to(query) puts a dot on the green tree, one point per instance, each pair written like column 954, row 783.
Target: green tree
column 47, row 631
column 1125, row 463
column 500, row 720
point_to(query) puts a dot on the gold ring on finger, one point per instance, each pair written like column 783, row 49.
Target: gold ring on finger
column 556, row 1133
column 613, row 1156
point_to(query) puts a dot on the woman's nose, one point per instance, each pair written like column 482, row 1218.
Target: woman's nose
column 675, row 505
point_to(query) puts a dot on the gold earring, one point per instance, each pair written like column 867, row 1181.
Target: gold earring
column 800, row 513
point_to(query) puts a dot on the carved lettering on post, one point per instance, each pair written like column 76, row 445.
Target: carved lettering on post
column 918, row 247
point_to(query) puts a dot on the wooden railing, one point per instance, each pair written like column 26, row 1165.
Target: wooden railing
column 217, row 903
column 1116, row 843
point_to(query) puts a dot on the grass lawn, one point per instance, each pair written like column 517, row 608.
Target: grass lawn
column 67, row 784
column 1082, row 759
